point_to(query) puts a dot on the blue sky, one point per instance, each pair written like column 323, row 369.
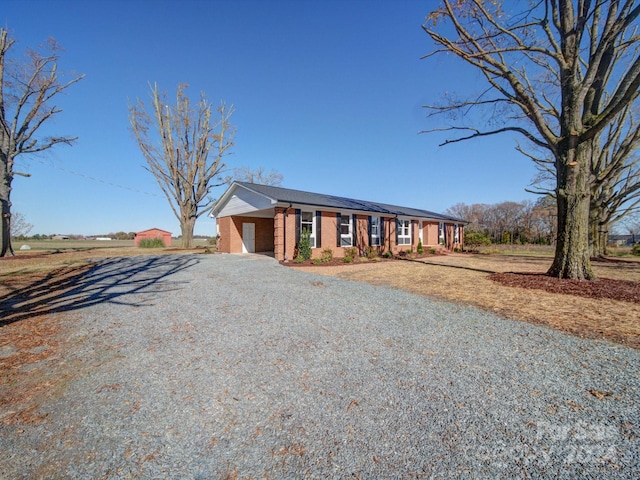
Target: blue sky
column 328, row 93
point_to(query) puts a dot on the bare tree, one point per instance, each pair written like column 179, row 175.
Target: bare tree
column 615, row 177
column 631, row 224
column 19, row 226
column 508, row 222
column 185, row 156
column 560, row 72
column 257, row 175
column 27, row 90
column 615, row 169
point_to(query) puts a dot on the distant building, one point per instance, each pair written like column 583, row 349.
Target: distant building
column 622, row 240
column 152, row 234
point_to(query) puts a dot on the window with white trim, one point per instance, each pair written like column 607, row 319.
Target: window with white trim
column 456, row 234
column 308, row 224
column 441, row 233
column 375, row 231
column 346, row 231
column 404, row 232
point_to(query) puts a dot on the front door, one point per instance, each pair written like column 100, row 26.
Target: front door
column 248, row 237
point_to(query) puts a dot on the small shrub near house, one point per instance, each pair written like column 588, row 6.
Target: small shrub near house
column 151, row 243
column 349, row 254
column 327, row 255
column 304, row 248
column 636, row 250
column 420, row 248
column 371, row 253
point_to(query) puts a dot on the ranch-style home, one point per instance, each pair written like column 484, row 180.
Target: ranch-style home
column 266, row 219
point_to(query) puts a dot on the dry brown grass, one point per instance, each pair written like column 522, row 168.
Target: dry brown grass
column 464, row 279
column 39, row 261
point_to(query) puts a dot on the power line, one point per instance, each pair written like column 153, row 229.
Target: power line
column 89, row 177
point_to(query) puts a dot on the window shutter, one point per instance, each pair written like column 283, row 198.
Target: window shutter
column 354, row 229
column 318, row 228
column 397, row 230
column 369, row 230
column 298, row 225
column 382, row 238
column 338, row 220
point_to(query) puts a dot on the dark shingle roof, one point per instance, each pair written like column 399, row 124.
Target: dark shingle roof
column 287, row 195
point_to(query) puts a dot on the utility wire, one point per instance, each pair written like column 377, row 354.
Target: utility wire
column 89, row 177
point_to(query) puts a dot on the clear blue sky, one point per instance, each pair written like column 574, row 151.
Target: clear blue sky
column 328, row 93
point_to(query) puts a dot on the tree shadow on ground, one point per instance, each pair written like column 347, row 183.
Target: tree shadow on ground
column 436, row 264
column 74, row 288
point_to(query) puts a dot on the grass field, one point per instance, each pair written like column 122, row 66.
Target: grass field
column 86, row 244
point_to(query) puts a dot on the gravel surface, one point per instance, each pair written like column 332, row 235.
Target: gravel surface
column 220, row 366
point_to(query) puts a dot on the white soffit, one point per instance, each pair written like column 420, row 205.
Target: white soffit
column 243, row 201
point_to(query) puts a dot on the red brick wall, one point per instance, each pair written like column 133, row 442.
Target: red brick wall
column 284, row 233
column 230, row 240
column 231, row 233
column 271, row 235
column 328, row 235
column 430, row 233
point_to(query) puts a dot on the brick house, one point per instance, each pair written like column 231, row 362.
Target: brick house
column 266, row 219
column 152, row 234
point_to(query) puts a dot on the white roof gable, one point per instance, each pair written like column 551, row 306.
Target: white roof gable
column 241, row 201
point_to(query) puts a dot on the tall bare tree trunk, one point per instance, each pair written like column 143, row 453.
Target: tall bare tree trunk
column 5, row 209
column 186, row 226
column 572, row 258
column 598, row 233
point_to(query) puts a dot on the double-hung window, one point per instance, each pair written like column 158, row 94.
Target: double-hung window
column 307, row 224
column 404, row 232
column 346, row 231
column 375, row 231
column 456, row 233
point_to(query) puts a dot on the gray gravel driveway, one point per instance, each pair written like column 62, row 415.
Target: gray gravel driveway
column 220, row 366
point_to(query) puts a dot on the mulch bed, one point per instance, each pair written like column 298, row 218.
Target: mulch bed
column 622, row 290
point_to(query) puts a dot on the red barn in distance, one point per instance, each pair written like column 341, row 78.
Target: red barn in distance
column 152, row 234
